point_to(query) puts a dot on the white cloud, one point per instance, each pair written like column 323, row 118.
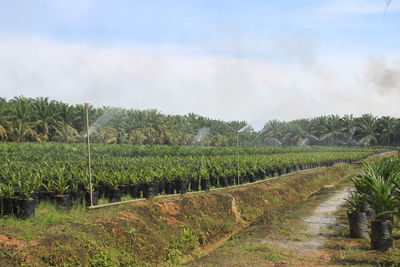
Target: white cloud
column 181, row 82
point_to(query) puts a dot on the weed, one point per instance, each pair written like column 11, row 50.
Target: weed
column 188, row 240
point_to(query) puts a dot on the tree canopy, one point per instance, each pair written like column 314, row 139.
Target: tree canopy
column 41, row 120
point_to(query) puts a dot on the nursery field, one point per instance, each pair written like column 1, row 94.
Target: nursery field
column 148, row 233
column 53, row 172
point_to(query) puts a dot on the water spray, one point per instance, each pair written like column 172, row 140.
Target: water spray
column 88, row 152
column 201, row 134
column 237, row 131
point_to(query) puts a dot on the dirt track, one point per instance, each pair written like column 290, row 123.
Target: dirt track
column 291, row 236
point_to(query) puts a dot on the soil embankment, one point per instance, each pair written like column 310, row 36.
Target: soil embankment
column 159, row 232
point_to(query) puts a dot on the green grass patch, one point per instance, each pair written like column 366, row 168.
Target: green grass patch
column 268, row 253
column 250, row 213
column 260, row 248
column 271, row 256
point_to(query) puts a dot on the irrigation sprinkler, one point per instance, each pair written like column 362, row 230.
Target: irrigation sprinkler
column 88, row 153
column 237, row 131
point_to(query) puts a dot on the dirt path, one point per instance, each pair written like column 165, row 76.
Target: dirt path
column 321, row 219
column 286, row 237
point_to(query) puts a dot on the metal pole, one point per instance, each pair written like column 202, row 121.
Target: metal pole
column 237, row 152
column 88, row 149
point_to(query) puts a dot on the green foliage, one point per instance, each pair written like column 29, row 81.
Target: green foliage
column 7, row 189
column 61, row 181
column 41, row 120
column 355, row 202
column 379, row 186
column 187, row 241
column 382, row 198
column 62, row 168
column 270, row 253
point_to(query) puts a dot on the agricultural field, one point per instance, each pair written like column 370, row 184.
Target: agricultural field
column 54, row 172
column 199, row 133
column 162, row 230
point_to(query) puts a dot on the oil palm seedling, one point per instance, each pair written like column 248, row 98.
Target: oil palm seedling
column 358, row 219
column 10, row 202
column 26, row 204
column 149, row 185
column 61, row 186
column 98, row 187
column 205, row 178
column 63, row 170
column 377, row 187
column 384, row 203
column 114, row 187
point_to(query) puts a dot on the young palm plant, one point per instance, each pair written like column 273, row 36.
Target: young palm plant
column 61, row 186
column 26, row 204
column 10, row 202
column 384, row 203
column 114, row 183
column 358, row 219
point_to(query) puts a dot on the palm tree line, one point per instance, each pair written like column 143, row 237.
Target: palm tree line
column 39, row 119
column 42, row 120
column 348, row 130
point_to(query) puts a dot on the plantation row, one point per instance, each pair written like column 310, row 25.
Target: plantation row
column 24, row 183
column 59, row 151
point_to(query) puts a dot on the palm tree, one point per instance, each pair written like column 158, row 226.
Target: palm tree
column 65, row 118
column 366, row 127
column 65, row 133
column 297, row 132
column 20, row 108
column 155, row 120
column 332, row 130
column 4, row 119
column 22, row 129
column 150, row 123
column 275, row 129
column 386, row 126
column 350, row 128
column 43, row 115
column 136, row 137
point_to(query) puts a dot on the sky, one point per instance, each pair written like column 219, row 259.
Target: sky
column 252, row 60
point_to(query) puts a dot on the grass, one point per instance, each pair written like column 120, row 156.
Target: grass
column 46, row 216
column 271, row 256
column 268, row 253
column 259, row 248
column 250, row 213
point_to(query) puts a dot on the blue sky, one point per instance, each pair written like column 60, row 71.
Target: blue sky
column 211, row 25
column 191, row 47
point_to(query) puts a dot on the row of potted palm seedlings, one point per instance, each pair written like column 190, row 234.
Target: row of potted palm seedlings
column 65, row 181
column 375, row 202
column 22, row 188
column 59, row 151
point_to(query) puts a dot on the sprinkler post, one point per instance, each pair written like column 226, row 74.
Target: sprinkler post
column 88, row 150
column 237, row 152
column 237, row 131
